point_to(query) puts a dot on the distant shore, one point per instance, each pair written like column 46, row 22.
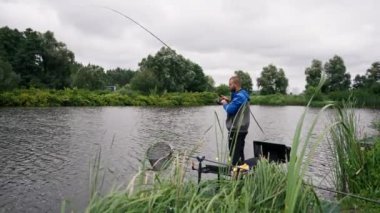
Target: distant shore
column 77, row 97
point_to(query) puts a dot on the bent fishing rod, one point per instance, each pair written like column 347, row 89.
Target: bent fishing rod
column 162, row 42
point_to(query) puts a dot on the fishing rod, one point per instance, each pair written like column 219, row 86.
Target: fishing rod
column 137, row 23
column 254, row 118
column 164, row 43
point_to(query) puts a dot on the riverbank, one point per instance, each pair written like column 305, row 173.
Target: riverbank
column 76, row 97
column 269, row 188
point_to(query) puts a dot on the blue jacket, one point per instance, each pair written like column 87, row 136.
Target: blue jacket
column 238, row 108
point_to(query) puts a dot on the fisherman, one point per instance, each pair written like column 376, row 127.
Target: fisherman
column 238, row 118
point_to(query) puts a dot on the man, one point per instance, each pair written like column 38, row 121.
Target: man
column 237, row 119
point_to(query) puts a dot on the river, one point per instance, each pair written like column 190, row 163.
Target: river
column 45, row 153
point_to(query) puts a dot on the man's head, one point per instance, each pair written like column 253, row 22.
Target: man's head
column 234, row 84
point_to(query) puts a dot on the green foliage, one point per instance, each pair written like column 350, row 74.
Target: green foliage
column 264, row 191
column 363, row 97
column 38, row 58
column 372, row 170
column 8, row 78
column 222, row 89
column 246, row 81
column 272, row 80
column 360, row 81
column 310, row 91
column 313, row 75
column 373, row 73
column 173, row 73
column 370, row 81
column 144, row 81
column 349, row 158
column 210, row 83
column 79, row 97
column 356, row 165
column 90, row 77
column 279, row 100
column 119, row 76
column 337, row 77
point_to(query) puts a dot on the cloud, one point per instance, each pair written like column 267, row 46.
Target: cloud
column 221, row 36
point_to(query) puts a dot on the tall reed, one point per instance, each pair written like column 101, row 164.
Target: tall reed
column 349, row 157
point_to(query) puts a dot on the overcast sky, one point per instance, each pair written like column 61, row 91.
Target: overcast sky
column 221, row 36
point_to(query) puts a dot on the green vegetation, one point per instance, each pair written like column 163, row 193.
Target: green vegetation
column 170, row 72
column 356, row 164
column 126, row 97
column 77, row 97
column 362, row 97
column 32, row 59
column 272, row 81
column 264, row 191
column 365, row 90
column 246, row 81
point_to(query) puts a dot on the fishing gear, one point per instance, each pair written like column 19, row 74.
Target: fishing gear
column 134, row 21
column 159, row 155
column 346, row 194
column 219, row 102
column 254, row 118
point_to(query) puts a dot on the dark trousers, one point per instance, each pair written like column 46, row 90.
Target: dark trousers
column 236, row 142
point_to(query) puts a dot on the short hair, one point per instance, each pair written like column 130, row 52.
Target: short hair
column 236, row 80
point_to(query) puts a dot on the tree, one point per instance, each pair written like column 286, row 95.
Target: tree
column 144, row 81
column 27, row 60
column 373, row 73
column 272, row 80
column 222, row 89
column 337, row 77
column 119, row 76
column 360, row 81
column 91, row 77
column 210, row 83
column 10, row 42
column 173, row 72
column 38, row 58
column 8, row 78
column 56, row 60
column 313, row 74
column 246, row 81
column 281, row 82
column 370, row 81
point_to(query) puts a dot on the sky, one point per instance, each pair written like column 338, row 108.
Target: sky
column 220, row 36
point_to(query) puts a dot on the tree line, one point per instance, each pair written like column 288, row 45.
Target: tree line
column 273, row 80
column 30, row 59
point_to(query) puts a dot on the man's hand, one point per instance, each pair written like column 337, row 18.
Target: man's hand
column 224, row 98
column 224, row 101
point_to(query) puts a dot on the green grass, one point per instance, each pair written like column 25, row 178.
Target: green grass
column 264, row 191
column 356, row 166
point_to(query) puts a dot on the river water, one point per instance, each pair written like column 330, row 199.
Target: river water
column 45, row 153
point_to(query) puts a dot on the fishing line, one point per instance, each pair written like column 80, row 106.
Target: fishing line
column 137, row 23
column 161, row 41
column 254, row 118
column 346, row 194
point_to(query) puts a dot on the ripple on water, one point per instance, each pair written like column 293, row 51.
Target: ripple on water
column 46, row 152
